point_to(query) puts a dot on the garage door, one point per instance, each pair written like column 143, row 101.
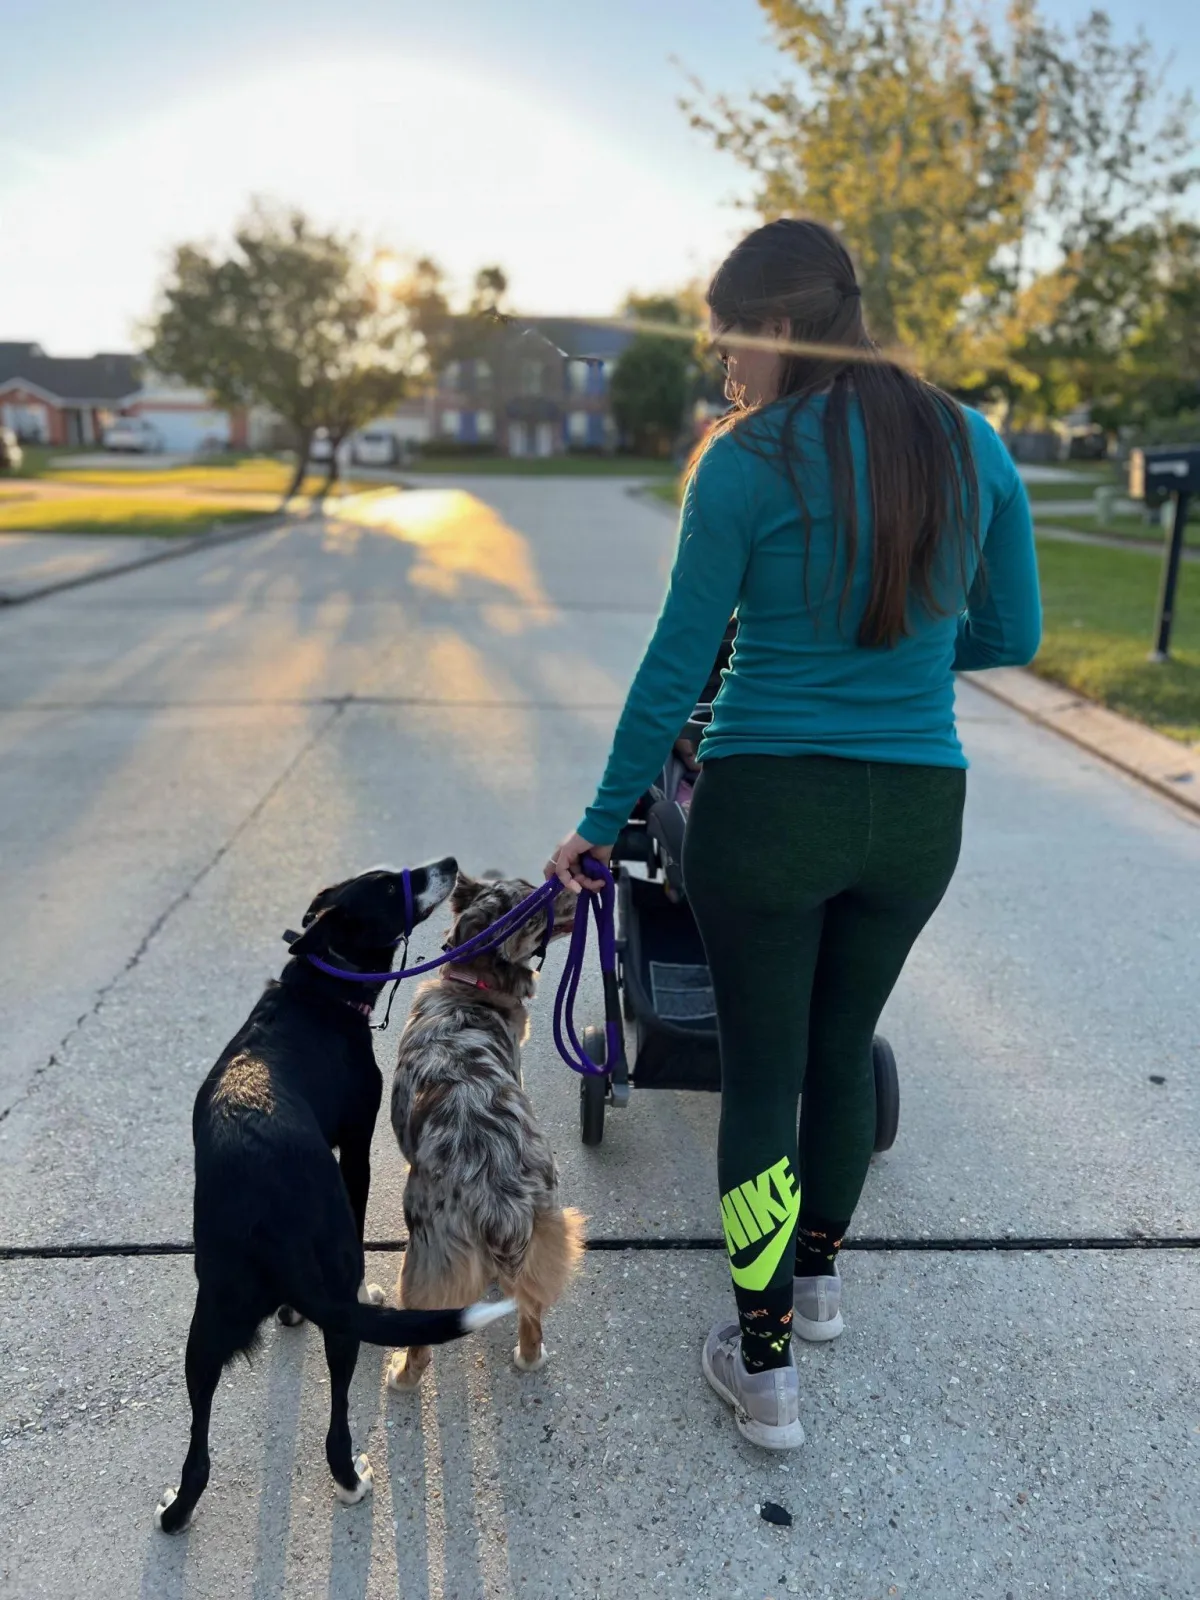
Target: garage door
column 183, row 432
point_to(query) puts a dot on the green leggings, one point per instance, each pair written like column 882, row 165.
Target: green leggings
column 810, row 878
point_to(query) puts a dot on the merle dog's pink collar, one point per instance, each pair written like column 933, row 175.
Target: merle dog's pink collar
column 495, row 997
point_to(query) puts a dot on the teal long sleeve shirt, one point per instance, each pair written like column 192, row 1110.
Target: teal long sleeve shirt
column 798, row 682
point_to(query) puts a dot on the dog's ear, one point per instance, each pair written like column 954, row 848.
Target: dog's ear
column 316, row 933
column 465, row 890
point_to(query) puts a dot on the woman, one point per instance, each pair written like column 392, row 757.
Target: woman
column 842, row 511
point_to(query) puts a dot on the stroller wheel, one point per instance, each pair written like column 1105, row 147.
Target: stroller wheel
column 887, row 1093
column 593, row 1089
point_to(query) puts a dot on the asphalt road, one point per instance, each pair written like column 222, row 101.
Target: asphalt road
column 188, row 752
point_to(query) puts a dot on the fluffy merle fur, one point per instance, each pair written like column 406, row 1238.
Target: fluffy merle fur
column 482, row 1200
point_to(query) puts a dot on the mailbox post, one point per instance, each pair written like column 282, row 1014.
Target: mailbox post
column 1166, row 473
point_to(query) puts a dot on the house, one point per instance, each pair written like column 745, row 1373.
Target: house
column 63, row 400
column 532, row 387
column 184, row 419
column 57, row 400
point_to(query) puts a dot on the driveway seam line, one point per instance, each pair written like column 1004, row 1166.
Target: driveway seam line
column 1006, row 1244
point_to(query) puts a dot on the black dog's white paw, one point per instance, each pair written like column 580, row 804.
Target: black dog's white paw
column 288, row 1317
column 366, row 1482
column 370, row 1294
column 168, row 1499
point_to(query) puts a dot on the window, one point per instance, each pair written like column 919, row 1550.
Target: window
column 483, row 374
column 529, row 377
column 577, row 427
column 452, row 375
column 451, row 421
column 577, row 376
column 485, row 424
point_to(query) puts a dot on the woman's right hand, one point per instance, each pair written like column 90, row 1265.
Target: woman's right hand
column 566, row 863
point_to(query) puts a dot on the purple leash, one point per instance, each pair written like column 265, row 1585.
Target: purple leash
column 540, row 902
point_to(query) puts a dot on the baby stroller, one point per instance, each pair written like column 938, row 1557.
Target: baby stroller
column 663, row 986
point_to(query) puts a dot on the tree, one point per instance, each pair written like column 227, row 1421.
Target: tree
column 1116, row 327
column 946, row 150
column 658, row 373
column 290, row 318
column 426, row 298
column 652, row 378
column 490, row 293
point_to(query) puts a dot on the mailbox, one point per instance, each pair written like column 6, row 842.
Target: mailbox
column 1158, row 473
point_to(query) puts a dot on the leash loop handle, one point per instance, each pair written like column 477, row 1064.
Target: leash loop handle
column 600, row 904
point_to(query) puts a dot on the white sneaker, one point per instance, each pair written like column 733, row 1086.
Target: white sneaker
column 818, row 1308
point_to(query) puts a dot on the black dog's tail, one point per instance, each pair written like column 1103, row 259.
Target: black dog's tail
column 384, row 1325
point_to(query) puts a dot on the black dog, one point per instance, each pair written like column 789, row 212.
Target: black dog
column 277, row 1224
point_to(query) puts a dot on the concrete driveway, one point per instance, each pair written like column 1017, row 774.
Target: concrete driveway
column 188, row 752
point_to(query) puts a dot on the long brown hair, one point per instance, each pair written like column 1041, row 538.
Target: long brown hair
column 796, row 276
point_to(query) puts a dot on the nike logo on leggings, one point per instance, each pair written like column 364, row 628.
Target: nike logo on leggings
column 761, row 1212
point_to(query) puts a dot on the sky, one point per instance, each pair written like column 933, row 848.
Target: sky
column 541, row 134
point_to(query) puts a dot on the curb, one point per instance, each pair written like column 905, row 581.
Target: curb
column 1170, row 768
column 185, row 547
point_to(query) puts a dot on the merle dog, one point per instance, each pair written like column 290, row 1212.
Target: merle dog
column 482, row 1201
column 278, row 1220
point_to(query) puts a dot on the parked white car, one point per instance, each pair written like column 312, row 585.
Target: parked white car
column 133, row 435
column 375, row 448
column 321, row 449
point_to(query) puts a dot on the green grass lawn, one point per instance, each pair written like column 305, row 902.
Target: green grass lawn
column 1121, row 526
column 229, row 475
column 545, row 466
column 115, row 514
column 1100, row 607
column 1083, row 489
column 37, row 459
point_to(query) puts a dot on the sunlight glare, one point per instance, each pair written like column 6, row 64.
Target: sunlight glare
column 462, row 543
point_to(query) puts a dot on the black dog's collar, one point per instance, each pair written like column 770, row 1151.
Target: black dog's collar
column 290, row 937
column 365, row 1008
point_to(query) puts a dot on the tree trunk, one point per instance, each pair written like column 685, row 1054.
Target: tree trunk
column 334, row 470
column 293, row 488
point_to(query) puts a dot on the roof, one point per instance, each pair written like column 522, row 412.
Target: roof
column 101, row 377
column 10, row 351
column 577, row 336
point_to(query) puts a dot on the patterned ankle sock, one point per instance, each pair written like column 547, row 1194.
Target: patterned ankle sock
column 766, row 1323
column 818, row 1241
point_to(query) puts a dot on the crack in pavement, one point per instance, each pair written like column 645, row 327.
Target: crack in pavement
column 156, row 927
